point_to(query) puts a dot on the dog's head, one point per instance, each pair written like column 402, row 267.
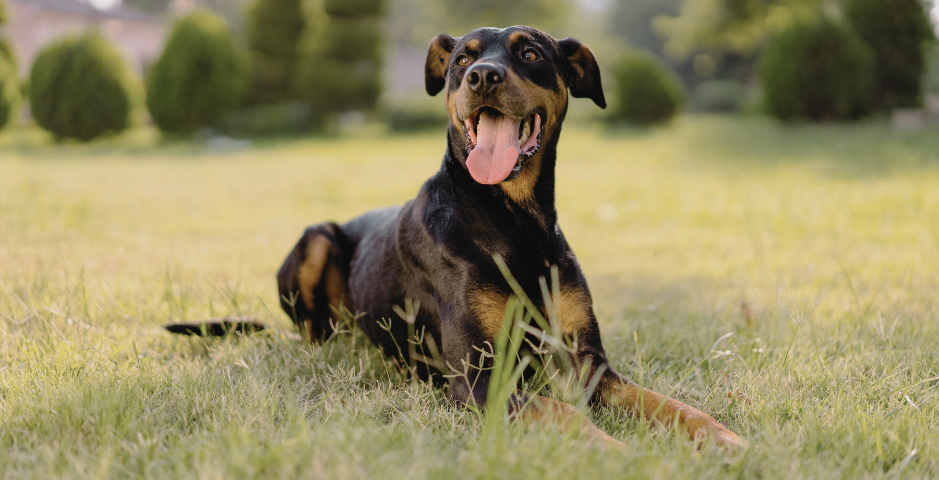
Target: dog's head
column 506, row 95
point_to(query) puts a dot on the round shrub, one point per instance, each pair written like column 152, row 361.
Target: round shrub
column 819, row 70
column 80, row 88
column 648, row 90
column 9, row 93
column 895, row 30
column 200, row 77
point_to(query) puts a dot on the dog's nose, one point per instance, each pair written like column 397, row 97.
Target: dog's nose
column 484, row 77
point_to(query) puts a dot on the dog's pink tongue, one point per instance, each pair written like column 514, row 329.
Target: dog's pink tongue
column 496, row 149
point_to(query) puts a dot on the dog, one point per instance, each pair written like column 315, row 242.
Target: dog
column 491, row 205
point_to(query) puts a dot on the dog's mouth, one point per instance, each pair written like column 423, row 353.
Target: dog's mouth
column 498, row 145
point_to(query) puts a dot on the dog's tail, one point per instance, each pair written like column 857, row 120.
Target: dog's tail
column 217, row 327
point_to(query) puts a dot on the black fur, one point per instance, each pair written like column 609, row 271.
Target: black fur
column 438, row 247
column 217, row 328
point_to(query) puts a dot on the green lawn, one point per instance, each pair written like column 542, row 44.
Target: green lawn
column 783, row 279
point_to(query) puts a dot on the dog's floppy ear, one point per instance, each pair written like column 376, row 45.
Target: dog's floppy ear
column 438, row 57
column 583, row 73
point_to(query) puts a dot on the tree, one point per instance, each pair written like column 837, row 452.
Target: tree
column 200, row 76
column 6, row 49
column 896, row 31
column 740, row 26
column 274, row 27
column 818, row 70
column 9, row 93
column 341, row 66
column 632, row 20
column 647, row 90
column 80, row 88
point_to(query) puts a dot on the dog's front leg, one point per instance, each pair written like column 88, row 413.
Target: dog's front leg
column 467, row 388
column 617, row 391
column 465, row 353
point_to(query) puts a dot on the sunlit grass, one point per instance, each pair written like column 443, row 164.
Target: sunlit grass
column 781, row 278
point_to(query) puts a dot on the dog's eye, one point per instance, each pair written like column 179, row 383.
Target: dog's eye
column 530, row 55
column 463, row 61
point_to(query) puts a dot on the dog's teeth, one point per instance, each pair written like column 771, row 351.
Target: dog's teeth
column 526, row 131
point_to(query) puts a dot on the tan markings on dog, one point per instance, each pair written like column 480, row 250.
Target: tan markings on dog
column 311, row 270
column 489, row 307
column 460, row 128
column 519, row 98
column 440, row 57
column 336, row 286
column 574, row 310
column 453, row 99
column 648, row 405
column 577, row 59
column 530, row 96
column 473, row 45
column 521, row 190
column 515, row 37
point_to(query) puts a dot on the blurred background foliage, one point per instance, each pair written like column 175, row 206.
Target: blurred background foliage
column 320, row 64
column 896, row 32
column 647, row 90
column 818, row 69
column 80, row 88
column 201, row 76
column 9, row 81
column 340, row 68
column 274, row 28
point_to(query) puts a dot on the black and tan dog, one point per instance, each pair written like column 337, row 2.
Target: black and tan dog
column 506, row 94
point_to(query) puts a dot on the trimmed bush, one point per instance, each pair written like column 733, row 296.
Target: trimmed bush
column 648, row 91
column 200, row 77
column 9, row 93
column 341, row 67
column 896, row 31
column 819, row 70
column 80, row 88
column 274, row 28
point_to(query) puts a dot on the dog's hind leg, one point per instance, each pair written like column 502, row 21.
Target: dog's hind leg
column 313, row 281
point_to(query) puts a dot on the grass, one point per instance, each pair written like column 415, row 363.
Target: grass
column 783, row 279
